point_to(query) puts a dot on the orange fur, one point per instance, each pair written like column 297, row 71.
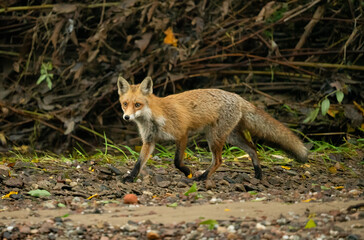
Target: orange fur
column 221, row 115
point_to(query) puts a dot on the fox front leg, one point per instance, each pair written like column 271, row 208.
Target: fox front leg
column 178, row 157
column 147, row 150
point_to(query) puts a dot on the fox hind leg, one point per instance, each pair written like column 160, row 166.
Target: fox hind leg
column 239, row 139
column 216, row 146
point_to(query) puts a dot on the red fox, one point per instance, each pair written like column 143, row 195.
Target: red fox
column 222, row 116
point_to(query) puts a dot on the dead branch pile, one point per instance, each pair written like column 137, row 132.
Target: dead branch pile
column 59, row 62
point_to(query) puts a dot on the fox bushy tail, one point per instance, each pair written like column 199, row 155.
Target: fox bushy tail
column 263, row 126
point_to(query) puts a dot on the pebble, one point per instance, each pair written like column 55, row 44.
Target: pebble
column 231, row 229
column 13, row 182
column 164, row 184
column 214, row 200
column 49, row 204
column 153, row 235
column 130, row 199
column 73, row 184
column 260, row 226
column 210, row 184
column 44, row 184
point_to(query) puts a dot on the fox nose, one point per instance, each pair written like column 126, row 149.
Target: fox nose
column 126, row 117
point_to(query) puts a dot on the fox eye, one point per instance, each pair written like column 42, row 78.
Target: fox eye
column 137, row 105
column 125, row 104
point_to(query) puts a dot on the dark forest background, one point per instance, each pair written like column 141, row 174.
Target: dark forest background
column 302, row 61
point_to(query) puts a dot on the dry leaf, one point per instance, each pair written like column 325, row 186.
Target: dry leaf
column 90, row 197
column 333, row 170
column 2, row 138
column 55, row 34
column 143, row 43
column 64, row 8
column 170, row 38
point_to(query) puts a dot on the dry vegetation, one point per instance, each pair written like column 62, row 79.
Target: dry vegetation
column 59, row 62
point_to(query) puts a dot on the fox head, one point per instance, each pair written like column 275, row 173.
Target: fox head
column 134, row 98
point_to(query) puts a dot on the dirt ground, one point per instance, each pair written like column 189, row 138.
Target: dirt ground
column 317, row 200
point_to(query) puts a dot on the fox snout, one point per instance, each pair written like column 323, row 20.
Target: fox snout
column 129, row 117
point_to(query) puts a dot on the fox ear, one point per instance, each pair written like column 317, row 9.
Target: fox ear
column 123, row 86
column 147, row 86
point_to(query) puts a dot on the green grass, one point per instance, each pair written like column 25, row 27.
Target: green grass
column 119, row 154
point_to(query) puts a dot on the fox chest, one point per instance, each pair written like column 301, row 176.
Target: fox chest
column 151, row 131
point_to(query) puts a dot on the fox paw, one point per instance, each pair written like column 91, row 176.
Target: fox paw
column 128, row 179
column 202, row 177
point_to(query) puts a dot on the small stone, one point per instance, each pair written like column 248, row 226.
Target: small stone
column 130, row 199
column 260, row 226
column 147, row 193
column 221, row 229
column 181, row 184
column 223, row 182
column 231, row 229
column 34, row 186
column 45, row 228
column 73, row 184
column 49, row 205
column 354, row 192
column 67, row 180
column 307, row 174
column 214, row 200
column 210, row 184
column 240, row 188
column 44, row 184
column 14, row 182
column 153, row 235
column 76, row 199
column 164, row 184
column 24, row 229
column 282, row 221
column 254, row 181
column 6, row 235
column 104, row 238
column 232, row 236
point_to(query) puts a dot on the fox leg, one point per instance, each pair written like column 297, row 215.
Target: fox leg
column 216, row 147
column 238, row 139
column 179, row 155
column 147, row 150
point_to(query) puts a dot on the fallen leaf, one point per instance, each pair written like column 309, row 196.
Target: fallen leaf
column 324, row 188
column 170, row 38
column 357, row 105
column 172, row 205
column 9, row 194
column 64, row 8
column 143, row 43
column 285, row 167
column 192, row 189
column 339, row 187
column 210, row 222
column 333, row 170
column 2, row 138
column 226, row 209
column 90, row 197
column 332, row 112
column 39, row 193
column 309, row 200
column 310, row 224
